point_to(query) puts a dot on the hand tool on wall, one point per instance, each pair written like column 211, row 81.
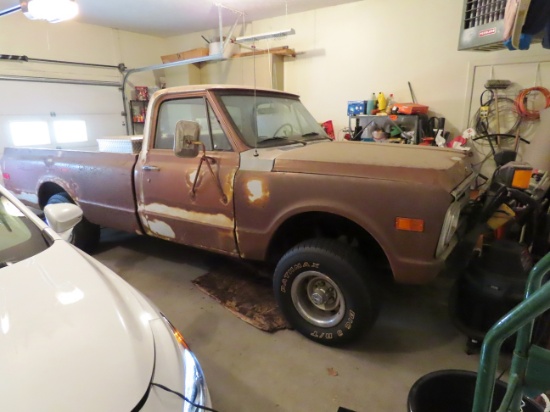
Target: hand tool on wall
column 494, row 86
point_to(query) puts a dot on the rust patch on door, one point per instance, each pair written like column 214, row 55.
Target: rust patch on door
column 210, row 219
column 161, row 229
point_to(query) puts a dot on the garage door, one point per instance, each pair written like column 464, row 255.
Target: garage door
column 58, row 115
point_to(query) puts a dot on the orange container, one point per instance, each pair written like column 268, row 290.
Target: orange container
column 411, row 108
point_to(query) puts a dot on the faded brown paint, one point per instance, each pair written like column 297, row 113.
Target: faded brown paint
column 369, row 184
column 372, row 204
column 414, row 164
column 98, row 182
column 202, row 220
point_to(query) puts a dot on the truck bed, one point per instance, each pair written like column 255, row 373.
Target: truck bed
column 101, row 183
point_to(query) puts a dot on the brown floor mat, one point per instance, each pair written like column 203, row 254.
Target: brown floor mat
column 245, row 294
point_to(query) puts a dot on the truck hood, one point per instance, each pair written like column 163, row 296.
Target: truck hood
column 436, row 166
column 71, row 333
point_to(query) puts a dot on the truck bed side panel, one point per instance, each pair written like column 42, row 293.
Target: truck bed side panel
column 101, row 183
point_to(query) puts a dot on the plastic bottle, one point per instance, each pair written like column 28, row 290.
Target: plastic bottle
column 389, row 103
column 371, row 104
column 382, row 102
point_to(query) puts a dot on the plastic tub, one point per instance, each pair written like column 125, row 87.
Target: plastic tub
column 453, row 391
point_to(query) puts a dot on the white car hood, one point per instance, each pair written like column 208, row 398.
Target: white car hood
column 74, row 313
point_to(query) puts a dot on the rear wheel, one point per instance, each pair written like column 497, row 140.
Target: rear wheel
column 85, row 235
column 324, row 289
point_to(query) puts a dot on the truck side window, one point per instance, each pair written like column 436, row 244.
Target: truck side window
column 219, row 139
column 171, row 111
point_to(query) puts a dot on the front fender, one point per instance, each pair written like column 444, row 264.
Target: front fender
column 264, row 201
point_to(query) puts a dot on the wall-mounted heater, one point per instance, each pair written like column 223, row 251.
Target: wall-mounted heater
column 482, row 25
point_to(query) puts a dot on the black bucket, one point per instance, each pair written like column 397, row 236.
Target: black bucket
column 453, row 391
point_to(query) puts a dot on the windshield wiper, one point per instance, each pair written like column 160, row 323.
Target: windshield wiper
column 310, row 134
column 274, row 138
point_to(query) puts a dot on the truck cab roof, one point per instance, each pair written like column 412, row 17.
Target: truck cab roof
column 205, row 87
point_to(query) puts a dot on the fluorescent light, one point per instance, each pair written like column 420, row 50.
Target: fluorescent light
column 262, row 36
column 53, row 11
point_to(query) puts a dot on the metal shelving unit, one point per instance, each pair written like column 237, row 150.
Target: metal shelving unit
column 406, row 122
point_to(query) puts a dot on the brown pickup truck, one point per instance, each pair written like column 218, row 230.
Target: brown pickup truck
column 250, row 174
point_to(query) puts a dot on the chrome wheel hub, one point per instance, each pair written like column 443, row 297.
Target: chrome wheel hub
column 318, row 299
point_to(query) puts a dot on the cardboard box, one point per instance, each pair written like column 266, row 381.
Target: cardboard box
column 185, row 55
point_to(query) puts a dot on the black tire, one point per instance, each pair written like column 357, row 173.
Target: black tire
column 324, row 289
column 85, row 235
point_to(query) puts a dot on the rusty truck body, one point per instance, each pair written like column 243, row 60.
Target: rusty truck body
column 250, row 174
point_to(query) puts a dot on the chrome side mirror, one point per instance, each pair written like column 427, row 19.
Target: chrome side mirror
column 186, row 142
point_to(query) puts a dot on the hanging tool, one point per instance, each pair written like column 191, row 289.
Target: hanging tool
column 494, row 86
column 413, row 97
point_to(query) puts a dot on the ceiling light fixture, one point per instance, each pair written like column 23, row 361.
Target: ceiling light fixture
column 53, row 11
column 263, row 36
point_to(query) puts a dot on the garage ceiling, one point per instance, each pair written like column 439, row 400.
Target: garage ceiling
column 166, row 18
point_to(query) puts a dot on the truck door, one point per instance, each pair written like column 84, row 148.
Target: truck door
column 167, row 206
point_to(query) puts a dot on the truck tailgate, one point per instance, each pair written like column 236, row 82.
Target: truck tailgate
column 101, row 183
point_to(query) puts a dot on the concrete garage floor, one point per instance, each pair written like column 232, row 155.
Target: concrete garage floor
column 250, row 370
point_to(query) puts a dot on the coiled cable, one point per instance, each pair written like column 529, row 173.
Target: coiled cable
column 507, row 108
column 521, row 102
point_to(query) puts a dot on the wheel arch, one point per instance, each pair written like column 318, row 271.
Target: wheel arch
column 319, row 224
column 48, row 189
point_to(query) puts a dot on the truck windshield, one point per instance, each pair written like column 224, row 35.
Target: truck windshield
column 270, row 120
column 20, row 238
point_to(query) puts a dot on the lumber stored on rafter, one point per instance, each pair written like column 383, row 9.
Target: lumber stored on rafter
column 281, row 51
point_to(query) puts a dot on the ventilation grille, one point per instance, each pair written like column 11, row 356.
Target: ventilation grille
column 479, row 12
column 482, row 25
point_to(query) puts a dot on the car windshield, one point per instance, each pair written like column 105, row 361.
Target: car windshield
column 20, row 238
column 267, row 120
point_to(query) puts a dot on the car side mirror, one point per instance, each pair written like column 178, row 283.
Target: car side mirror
column 63, row 217
column 186, row 142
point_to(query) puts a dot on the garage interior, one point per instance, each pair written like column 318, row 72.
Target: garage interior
column 95, row 74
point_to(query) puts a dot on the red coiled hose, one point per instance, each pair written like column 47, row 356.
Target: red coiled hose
column 521, row 101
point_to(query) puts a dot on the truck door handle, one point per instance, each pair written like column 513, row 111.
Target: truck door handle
column 150, row 168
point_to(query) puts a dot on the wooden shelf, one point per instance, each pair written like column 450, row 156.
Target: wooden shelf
column 280, row 51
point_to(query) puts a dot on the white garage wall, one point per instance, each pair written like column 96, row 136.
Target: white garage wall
column 353, row 50
column 346, row 52
column 99, row 106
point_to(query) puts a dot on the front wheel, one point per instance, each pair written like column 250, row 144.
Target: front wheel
column 323, row 288
column 85, row 235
